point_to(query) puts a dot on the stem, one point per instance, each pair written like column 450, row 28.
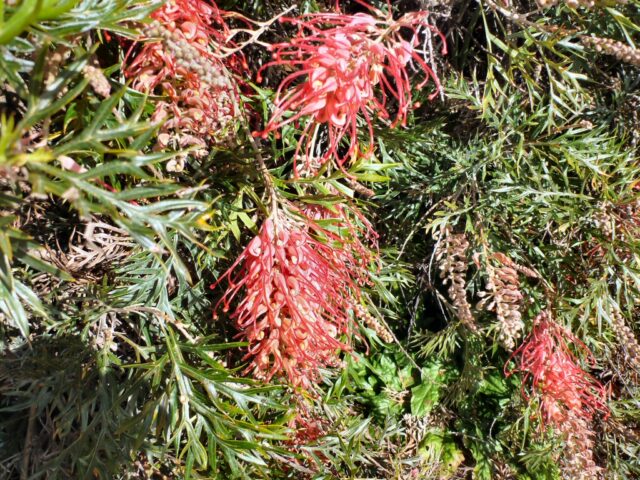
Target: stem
column 268, row 181
column 28, row 443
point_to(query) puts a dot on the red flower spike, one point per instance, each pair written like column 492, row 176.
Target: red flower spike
column 177, row 56
column 346, row 66
column 297, row 297
column 564, row 388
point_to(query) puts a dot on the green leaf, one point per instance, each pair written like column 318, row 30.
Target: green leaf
column 425, row 396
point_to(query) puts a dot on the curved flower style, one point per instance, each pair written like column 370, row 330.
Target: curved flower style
column 298, row 294
column 177, row 56
column 350, row 65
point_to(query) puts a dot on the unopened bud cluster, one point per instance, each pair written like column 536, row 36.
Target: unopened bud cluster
column 204, row 107
column 382, row 332
column 626, row 338
column 190, row 58
column 620, row 50
column 451, row 254
column 503, row 296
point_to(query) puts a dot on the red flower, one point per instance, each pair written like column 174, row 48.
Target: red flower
column 349, row 65
column 548, row 363
column 297, row 297
column 178, row 57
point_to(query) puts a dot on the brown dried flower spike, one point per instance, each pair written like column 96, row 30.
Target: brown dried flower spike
column 620, row 50
column 577, row 460
column 626, row 339
column 382, row 331
column 503, row 296
column 451, row 254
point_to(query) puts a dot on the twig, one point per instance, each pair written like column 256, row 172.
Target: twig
column 415, row 229
column 254, row 35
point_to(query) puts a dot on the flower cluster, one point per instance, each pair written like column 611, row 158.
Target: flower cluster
column 503, row 296
column 451, row 253
column 346, row 66
column 297, row 297
column 620, row 50
column 177, row 58
column 546, row 359
column 569, row 397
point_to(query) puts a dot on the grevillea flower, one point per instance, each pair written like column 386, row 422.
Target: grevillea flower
column 552, row 369
column 178, row 60
column 569, row 397
column 297, row 295
column 346, row 66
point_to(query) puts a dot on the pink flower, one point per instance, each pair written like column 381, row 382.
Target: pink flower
column 346, row 67
column 554, row 374
column 296, row 295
